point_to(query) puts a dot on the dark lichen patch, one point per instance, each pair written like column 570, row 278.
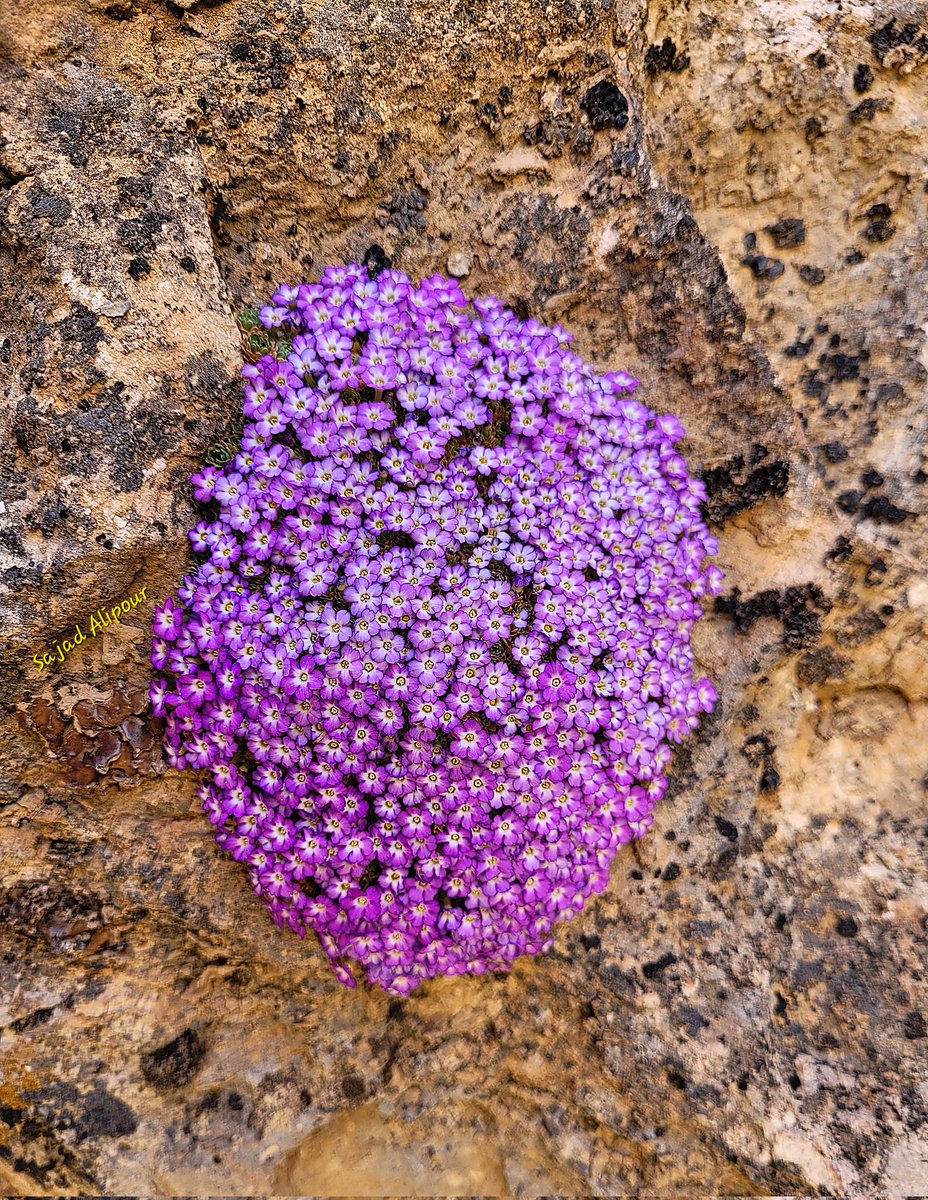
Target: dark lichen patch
column 863, row 78
column 814, row 386
column 787, row 232
column 353, row 1088
column 108, row 431
column 605, row 106
column 63, row 918
column 48, row 206
column 27, row 426
column 882, row 509
column 206, row 379
column 39, row 1016
column 83, row 327
column 889, row 392
column 139, row 235
column 757, row 749
column 624, row 161
column 876, row 572
column 102, row 1114
column 822, row 666
column 539, row 220
column 763, row 267
column 269, row 65
column 813, row 276
column 798, row 348
column 681, row 773
column 860, row 627
column 799, row 608
column 652, row 970
column 841, row 367
column 834, row 452
column 376, row 260
column 736, row 485
column 723, row 862
column 488, row 117
column 553, row 133
column 814, row 129
column 867, row 109
column 891, row 36
column 404, row 210
column 874, row 508
column 879, row 227
column 174, row 1064
column 52, row 514
column 664, row 57
column 80, row 124
column 42, row 1125
column 834, row 367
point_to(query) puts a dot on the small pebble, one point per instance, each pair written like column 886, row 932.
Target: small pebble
column 114, row 308
column 460, row 263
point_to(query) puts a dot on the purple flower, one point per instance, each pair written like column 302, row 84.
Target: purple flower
column 437, row 651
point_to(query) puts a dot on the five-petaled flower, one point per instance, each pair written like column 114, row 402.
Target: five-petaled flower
column 438, row 645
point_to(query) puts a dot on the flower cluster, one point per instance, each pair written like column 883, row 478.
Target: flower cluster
column 438, row 644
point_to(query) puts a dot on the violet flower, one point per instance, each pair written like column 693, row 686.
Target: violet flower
column 438, row 645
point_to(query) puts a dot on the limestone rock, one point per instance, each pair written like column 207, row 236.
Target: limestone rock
column 743, row 1011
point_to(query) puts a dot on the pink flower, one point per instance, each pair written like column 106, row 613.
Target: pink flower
column 437, row 650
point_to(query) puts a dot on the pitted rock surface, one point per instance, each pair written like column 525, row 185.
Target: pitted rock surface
column 726, row 201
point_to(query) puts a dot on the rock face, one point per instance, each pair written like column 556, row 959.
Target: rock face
column 727, row 200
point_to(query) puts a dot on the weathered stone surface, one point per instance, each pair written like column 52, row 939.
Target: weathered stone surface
column 743, row 1011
